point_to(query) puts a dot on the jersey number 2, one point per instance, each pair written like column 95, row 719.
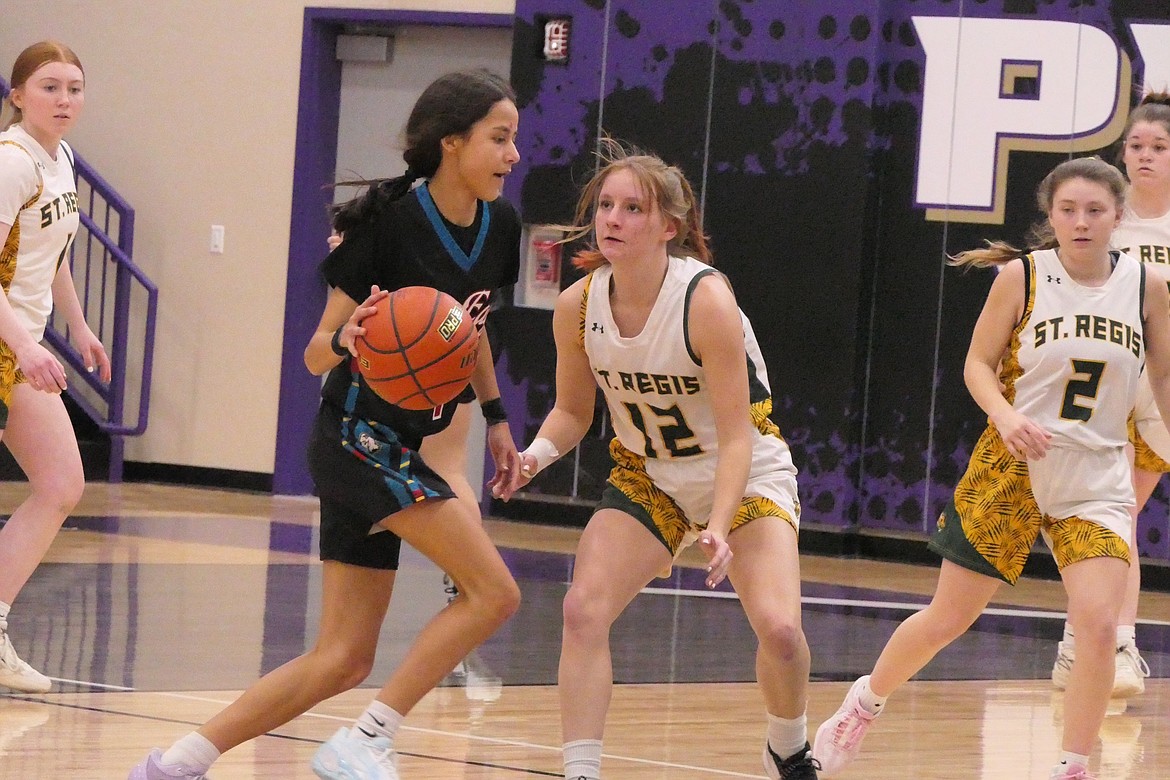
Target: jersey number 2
column 1085, row 384
column 673, row 430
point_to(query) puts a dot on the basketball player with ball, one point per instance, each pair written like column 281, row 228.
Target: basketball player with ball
column 397, row 358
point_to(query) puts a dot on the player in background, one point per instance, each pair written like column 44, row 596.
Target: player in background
column 38, row 222
column 1144, row 233
column 1071, row 323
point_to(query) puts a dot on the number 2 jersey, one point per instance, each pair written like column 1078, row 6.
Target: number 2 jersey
column 657, row 390
column 1077, row 353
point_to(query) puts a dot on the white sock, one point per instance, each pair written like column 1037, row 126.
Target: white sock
column 193, row 752
column 1068, row 758
column 1068, row 639
column 582, row 759
column 1126, row 636
column 787, row 737
column 4, row 607
column 870, row 701
column 379, row 720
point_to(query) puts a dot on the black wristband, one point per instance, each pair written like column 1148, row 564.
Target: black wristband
column 335, row 343
column 494, row 412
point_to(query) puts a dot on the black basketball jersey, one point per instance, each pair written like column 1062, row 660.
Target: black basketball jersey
column 408, row 243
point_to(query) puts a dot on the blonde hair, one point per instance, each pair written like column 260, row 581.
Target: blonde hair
column 666, row 187
column 28, row 62
column 1041, row 234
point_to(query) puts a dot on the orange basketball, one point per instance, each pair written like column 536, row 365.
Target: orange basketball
column 419, row 349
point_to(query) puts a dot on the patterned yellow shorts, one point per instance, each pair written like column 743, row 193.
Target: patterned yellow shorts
column 991, row 523
column 10, row 377
column 1144, row 457
column 631, row 490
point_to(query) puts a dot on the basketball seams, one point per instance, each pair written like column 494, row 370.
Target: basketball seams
column 405, row 348
column 412, row 369
column 430, row 369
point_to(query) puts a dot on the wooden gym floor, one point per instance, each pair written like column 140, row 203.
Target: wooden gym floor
column 158, row 604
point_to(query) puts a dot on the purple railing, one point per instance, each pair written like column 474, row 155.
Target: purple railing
column 120, row 304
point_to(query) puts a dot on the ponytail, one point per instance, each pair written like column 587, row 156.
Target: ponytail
column 1041, row 235
column 379, row 192
column 996, row 253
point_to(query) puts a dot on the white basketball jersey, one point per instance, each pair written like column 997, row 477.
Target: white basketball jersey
column 654, row 385
column 1146, row 240
column 1078, row 352
column 39, row 201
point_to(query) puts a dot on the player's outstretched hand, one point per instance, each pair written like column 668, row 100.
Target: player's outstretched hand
column 719, row 555
column 502, row 446
column 504, row 489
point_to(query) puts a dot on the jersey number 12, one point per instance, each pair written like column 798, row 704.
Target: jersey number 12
column 672, row 428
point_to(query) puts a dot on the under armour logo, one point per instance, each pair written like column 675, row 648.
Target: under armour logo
column 1052, row 278
column 598, row 328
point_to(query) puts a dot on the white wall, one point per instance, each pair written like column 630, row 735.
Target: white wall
column 191, row 110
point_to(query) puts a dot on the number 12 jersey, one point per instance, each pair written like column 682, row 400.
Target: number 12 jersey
column 656, row 388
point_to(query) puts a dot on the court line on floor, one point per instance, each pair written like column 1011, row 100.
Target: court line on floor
column 907, row 606
column 406, row 727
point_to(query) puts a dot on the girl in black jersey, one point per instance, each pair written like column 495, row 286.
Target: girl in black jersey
column 452, row 232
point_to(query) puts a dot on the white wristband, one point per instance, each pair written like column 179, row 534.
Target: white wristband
column 544, row 452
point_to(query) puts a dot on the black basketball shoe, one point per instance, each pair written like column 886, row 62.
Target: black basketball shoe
column 799, row 766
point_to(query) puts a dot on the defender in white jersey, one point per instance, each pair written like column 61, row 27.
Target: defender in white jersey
column 38, row 220
column 1144, row 233
column 695, row 456
column 665, row 415
column 1068, row 328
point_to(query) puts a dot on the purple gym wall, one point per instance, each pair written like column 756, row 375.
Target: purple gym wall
column 799, row 123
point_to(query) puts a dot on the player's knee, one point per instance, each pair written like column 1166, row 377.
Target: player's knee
column 345, row 669
column 494, row 595
column 502, row 599
column 351, row 677
column 583, row 612
column 1095, row 628
column 62, row 489
column 781, row 638
column 340, row 665
column 944, row 623
column 941, row 633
